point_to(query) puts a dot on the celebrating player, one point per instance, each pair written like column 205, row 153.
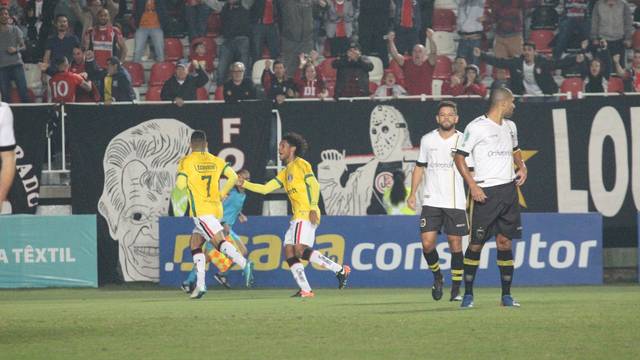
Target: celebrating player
column 200, row 172
column 443, row 204
column 492, row 140
column 303, row 190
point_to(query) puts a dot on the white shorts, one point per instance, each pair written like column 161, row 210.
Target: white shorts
column 300, row 232
column 207, row 226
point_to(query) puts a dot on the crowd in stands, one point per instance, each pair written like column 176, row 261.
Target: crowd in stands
column 175, row 50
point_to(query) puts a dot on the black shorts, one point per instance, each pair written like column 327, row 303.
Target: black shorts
column 498, row 214
column 454, row 221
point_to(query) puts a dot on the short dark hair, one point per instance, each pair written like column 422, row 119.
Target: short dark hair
column 530, row 44
column 460, row 57
column 278, row 62
column 447, row 103
column 498, row 94
column 61, row 15
column 61, row 60
column 198, row 136
column 298, row 141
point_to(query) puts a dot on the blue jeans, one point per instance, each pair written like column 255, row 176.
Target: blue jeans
column 268, row 33
column 465, row 50
column 196, row 17
column 568, row 27
column 236, row 49
column 15, row 73
column 157, row 39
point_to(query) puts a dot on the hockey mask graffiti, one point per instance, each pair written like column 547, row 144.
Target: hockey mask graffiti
column 388, row 131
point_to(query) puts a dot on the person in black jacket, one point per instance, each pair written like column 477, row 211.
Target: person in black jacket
column 265, row 15
column 114, row 81
column 236, row 29
column 238, row 87
column 352, row 77
column 531, row 73
column 276, row 84
column 183, row 86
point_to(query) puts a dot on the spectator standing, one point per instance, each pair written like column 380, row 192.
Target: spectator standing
column 62, row 43
column 612, row 20
column 115, row 81
column 11, row 66
column 297, row 30
column 338, row 23
column 407, row 23
column 531, row 73
column 418, row 72
column 238, row 87
column 265, row 15
column 104, row 39
column 506, row 15
column 64, row 83
column 236, row 20
column 183, row 86
column 352, row 77
column 276, row 84
column 373, row 26
column 575, row 22
column 196, row 14
column 79, row 66
column 469, row 25
column 150, row 16
column 38, row 17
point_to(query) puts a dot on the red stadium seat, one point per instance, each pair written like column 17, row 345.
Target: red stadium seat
column 444, row 20
column 15, row 96
column 214, row 24
column 372, row 87
column 219, row 95
column 202, row 93
column 615, row 85
column 173, row 49
column 635, row 40
column 136, row 71
column 209, row 44
column 160, row 72
column 542, row 38
column 442, row 69
column 574, row 85
column 153, row 93
column 326, row 70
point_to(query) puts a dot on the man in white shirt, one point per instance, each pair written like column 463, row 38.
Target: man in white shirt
column 492, row 140
column 443, row 203
column 7, row 151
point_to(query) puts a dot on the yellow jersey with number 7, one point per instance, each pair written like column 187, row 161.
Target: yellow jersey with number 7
column 202, row 172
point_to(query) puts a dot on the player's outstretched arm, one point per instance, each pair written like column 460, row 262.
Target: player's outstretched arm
column 270, row 186
column 232, row 178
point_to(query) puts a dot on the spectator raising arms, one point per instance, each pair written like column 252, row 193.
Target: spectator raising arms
column 182, row 85
column 418, row 72
column 276, row 84
column 631, row 77
column 309, row 84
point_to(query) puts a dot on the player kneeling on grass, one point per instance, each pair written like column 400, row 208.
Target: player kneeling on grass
column 199, row 173
column 443, row 203
column 303, row 190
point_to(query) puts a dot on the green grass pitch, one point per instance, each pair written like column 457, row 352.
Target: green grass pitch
column 147, row 322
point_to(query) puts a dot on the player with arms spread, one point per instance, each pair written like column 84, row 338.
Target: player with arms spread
column 303, row 190
column 199, row 173
column 492, row 140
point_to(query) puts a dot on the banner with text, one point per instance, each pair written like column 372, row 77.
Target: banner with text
column 124, row 165
column 582, row 155
column 30, row 127
column 385, row 251
column 48, row 251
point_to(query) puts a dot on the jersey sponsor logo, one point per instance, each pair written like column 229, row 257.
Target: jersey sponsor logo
column 383, row 181
column 206, row 167
column 441, row 166
column 504, row 153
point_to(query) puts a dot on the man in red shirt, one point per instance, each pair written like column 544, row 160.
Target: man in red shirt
column 418, row 72
column 79, row 66
column 64, row 83
column 105, row 40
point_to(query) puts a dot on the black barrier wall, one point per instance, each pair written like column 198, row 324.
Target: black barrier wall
column 582, row 155
column 124, row 161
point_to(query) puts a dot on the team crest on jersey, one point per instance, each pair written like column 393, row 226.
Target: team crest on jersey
column 383, row 181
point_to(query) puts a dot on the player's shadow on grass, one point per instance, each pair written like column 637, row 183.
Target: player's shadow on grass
column 381, row 303
column 421, row 310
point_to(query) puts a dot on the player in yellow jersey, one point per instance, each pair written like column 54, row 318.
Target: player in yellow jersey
column 199, row 173
column 303, row 191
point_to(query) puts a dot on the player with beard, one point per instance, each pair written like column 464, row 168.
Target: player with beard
column 492, row 140
column 303, row 190
column 443, row 203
